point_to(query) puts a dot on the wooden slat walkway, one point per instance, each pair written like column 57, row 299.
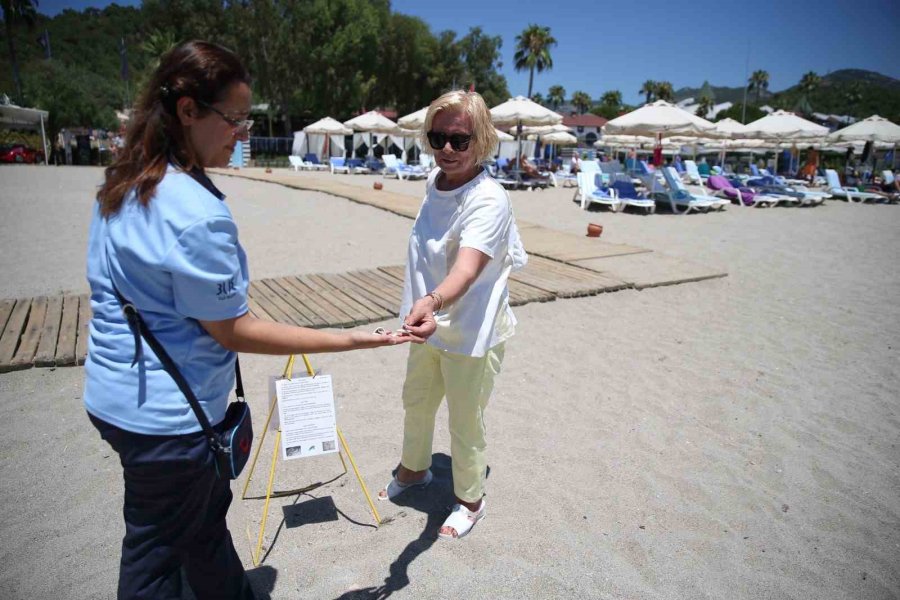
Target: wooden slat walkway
column 52, row 332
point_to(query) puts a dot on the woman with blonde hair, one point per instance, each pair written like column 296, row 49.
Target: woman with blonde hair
column 463, row 246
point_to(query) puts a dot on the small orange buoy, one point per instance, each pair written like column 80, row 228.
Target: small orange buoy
column 377, row 185
column 594, row 230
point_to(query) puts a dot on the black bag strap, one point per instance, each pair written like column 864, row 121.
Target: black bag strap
column 139, row 328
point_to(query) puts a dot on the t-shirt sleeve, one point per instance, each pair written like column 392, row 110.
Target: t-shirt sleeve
column 207, row 278
column 485, row 224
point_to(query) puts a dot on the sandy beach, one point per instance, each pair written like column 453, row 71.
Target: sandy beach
column 731, row 438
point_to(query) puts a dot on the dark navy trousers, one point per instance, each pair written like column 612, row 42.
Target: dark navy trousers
column 175, row 508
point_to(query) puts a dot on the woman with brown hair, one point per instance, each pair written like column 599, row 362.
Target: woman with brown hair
column 162, row 238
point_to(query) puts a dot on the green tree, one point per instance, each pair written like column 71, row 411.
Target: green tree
column 648, row 89
column 538, row 98
column 736, row 110
column 14, row 12
column 612, row 98
column 582, row 101
column 480, row 57
column 665, row 91
column 758, row 82
column 809, row 83
column 73, row 97
column 556, row 95
column 533, row 51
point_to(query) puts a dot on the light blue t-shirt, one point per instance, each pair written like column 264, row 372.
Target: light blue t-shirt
column 177, row 260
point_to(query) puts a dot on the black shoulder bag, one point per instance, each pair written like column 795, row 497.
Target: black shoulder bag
column 232, row 446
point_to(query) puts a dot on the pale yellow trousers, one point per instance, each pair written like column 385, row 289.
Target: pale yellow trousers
column 467, row 382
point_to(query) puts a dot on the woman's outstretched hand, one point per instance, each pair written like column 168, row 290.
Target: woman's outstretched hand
column 420, row 320
column 362, row 339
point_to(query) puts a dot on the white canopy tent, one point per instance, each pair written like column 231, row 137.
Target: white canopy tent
column 370, row 124
column 315, row 137
column 17, row 117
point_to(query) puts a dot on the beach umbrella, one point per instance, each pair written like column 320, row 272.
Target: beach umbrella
column 560, row 138
column 660, row 118
column 521, row 111
column 542, row 129
column 782, row 125
column 874, row 129
column 414, row 120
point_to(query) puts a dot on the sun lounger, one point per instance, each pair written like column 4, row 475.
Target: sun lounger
column 742, row 196
column 296, row 162
column 393, row 166
column 850, row 194
column 311, row 161
column 693, row 173
column 629, row 196
column 679, row 198
column 338, row 165
column 591, row 194
column 357, row 166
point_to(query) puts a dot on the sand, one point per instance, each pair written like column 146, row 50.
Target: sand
column 732, row 438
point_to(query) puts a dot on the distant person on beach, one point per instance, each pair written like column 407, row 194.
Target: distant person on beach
column 575, row 166
column 163, row 238
column 463, row 246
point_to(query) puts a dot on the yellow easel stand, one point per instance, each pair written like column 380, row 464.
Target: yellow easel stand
column 288, row 372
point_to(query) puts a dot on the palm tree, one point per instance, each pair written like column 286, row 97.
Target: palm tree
column 13, row 12
column 533, row 51
column 582, row 101
column 810, row 82
column 758, row 82
column 538, row 97
column 706, row 104
column 556, row 95
column 665, row 91
column 612, row 98
column 649, row 88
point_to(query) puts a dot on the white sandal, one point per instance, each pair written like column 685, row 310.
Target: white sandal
column 462, row 520
column 397, row 487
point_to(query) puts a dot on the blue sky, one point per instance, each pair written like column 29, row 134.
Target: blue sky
column 606, row 45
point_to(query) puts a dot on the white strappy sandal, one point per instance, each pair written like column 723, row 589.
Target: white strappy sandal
column 462, row 520
column 396, row 487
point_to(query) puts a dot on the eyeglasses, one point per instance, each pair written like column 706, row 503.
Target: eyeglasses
column 458, row 141
column 240, row 125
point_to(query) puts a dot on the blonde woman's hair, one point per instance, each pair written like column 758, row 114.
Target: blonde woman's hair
column 484, row 136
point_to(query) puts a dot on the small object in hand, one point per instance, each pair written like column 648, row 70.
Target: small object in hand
column 594, row 230
column 377, row 185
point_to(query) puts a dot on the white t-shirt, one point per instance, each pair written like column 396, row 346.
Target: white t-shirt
column 476, row 215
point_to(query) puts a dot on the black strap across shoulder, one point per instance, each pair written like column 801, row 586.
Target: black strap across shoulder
column 139, row 328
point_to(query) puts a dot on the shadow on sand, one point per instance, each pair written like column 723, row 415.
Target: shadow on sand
column 436, row 502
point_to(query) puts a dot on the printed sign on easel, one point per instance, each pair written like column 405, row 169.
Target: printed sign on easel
column 307, row 416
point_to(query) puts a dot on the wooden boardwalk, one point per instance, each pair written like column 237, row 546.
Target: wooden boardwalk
column 53, row 331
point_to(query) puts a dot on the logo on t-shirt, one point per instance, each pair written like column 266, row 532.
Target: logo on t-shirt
column 227, row 289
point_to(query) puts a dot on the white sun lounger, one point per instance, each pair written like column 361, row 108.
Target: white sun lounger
column 848, row 193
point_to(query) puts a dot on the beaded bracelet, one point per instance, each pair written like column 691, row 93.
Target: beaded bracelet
column 437, row 298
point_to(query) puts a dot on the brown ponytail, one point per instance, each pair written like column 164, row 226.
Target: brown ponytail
column 200, row 70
